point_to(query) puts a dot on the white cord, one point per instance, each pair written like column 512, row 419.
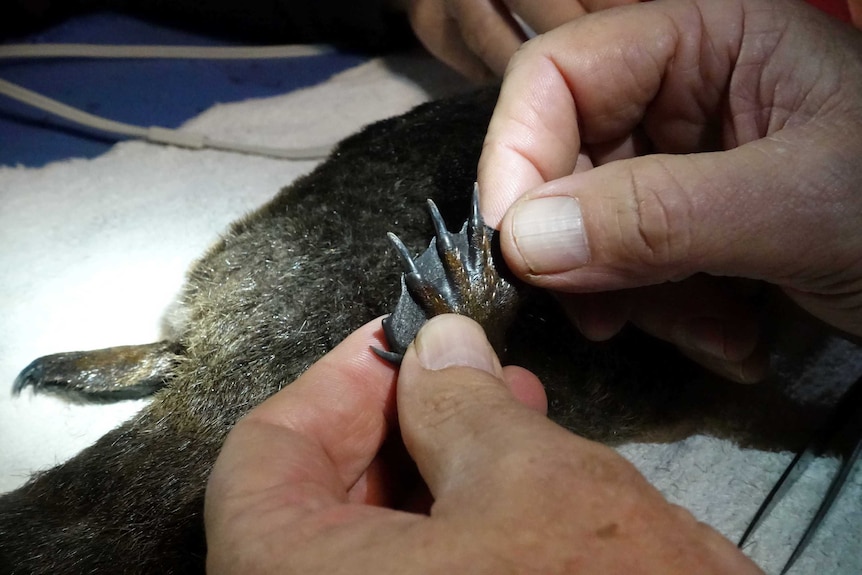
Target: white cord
column 155, row 134
column 185, row 52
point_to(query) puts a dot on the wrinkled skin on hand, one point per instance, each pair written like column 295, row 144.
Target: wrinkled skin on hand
column 305, row 483
column 646, row 158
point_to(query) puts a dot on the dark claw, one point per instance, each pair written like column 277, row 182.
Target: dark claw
column 389, row 356
column 478, row 233
column 456, row 274
column 406, row 258
column 29, row 376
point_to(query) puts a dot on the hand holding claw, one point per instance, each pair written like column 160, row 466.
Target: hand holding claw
column 315, row 479
column 676, row 147
column 456, row 274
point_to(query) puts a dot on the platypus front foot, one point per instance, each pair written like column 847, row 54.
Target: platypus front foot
column 456, row 274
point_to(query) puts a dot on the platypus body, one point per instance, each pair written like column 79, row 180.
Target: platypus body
column 280, row 289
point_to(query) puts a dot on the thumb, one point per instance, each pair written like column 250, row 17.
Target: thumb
column 747, row 212
column 457, row 413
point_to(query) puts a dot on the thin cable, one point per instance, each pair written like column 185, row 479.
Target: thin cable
column 145, row 51
column 154, row 134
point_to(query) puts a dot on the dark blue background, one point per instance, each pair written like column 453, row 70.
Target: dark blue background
column 142, row 92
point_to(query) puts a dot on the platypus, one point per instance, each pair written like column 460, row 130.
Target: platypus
column 281, row 288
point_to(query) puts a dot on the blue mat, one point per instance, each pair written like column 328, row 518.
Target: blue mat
column 142, row 92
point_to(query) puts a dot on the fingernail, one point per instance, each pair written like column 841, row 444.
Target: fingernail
column 754, row 368
column 549, row 234
column 702, row 334
column 454, row 341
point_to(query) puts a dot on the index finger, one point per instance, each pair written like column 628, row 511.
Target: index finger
column 310, row 442
column 532, row 137
column 586, row 82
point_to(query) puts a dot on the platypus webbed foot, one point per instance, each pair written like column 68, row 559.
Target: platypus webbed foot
column 456, row 274
column 102, row 375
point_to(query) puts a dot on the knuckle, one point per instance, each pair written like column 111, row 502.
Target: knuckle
column 483, row 45
column 662, row 234
column 459, row 403
column 483, row 33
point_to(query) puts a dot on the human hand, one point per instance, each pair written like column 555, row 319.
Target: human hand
column 677, row 145
column 303, row 483
column 477, row 37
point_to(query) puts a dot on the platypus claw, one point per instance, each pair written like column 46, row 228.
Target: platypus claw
column 456, row 274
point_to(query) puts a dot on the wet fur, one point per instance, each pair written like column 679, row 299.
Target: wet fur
column 284, row 286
